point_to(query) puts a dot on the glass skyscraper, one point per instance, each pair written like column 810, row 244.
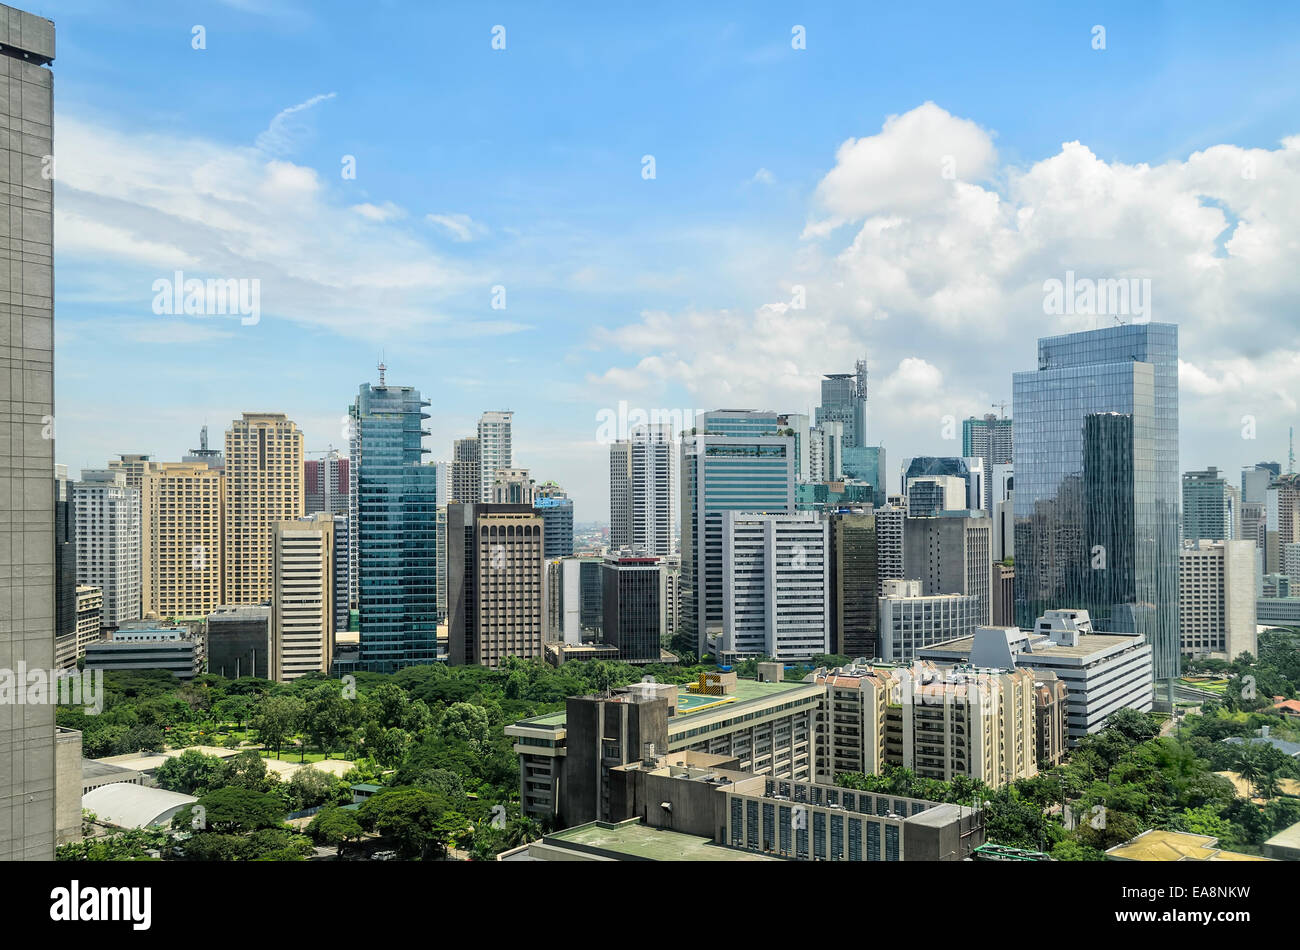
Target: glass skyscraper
column 1097, row 483
column 395, row 529
column 844, row 399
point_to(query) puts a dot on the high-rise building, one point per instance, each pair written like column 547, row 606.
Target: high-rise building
column 641, row 491
column 1282, row 513
column 670, row 574
column 1255, row 480
column 394, row 528
column 302, row 602
column 931, row 494
column 1092, row 533
column 496, row 606
column 465, row 476
column 208, row 456
column 853, row 560
column 775, row 599
column 951, row 554
column 826, row 452
column 109, row 555
column 1209, row 506
column 181, row 537
column 555, row 508
column 264, row 484
column 495, row 448
column 326, row 484
column 634, row 608
column 890, row 526
column 512, row 486
column 866, row 463
column 971, row 471
column 239, row 641
column 721, row 473
column 1216, row 595
column 65, row 559
column 134, row 467
column 90, row 617
column 844, row 400
column 990, row 439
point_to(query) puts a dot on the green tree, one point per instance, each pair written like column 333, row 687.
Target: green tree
column 412, row 818
column 231, row 811
column 191, row 773
column 277, row 719
column 336, row 826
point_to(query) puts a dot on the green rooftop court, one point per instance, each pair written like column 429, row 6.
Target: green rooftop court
column 689, row 703
column 632, row 841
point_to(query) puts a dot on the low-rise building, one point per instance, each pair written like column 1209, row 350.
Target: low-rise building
column 910, row 620
column 179, row 656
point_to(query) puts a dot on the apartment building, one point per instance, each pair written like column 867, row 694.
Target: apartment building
column 109, row 533
column 1216, row 598
column 302, row 602
column 182, row 539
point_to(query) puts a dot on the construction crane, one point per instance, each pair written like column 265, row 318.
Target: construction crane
column 1001, row 407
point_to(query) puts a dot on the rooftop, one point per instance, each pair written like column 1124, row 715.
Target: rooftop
column 634, row 841
column 1156, row 845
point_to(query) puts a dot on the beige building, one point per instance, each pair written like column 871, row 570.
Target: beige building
column 496, row 590
column 90, row 613
column 940, row 722
column 1216, row 598
column 134, row 468
column 302, row 628
column 181, row 539
column 513, row 486
column 264, row 484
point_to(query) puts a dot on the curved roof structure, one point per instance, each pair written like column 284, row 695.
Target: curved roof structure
column 126, row 805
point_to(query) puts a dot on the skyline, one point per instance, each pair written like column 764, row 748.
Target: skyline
column 775, row 167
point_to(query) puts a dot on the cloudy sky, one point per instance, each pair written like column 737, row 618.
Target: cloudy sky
column 911, row 177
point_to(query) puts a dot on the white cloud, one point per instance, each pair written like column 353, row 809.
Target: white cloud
column 289, row 126
column 380, row 212
column 763, row 177
column 461, row 227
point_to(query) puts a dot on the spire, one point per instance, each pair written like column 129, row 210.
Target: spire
column 382, row 369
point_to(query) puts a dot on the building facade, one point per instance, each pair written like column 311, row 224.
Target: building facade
column 302, row 602
column 854, row 584
column 910, row 620
column 634, row 608
column 181, row 538
column 495, row 449
column 641, row 491
column 1210, row 506
column 109, row 550
column 1216, row 594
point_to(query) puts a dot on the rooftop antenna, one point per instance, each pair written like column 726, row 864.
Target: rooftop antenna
column 382, row 368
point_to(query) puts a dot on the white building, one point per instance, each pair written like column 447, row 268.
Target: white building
column 1102, row 672
column 826, row 452
column 109, row 542
column 910, row 620
column 1216, row 598
column 641, row 491
column 495, row 448
column 890, row 524
column 302, row 621
column 775, row 585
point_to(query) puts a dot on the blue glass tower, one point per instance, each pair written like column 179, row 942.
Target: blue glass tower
column 557, row 525
column 395, row 529
column 1097, row 483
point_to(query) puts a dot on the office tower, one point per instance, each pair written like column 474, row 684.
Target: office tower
column 494, row 448
column 854, row 583
column 844, row 400
column 1216, row 595
column 826, row 452
column 65, row 559
column 90, row 616
column 342, row 572
column 591, row 588
column 739, row 423
column 1076, row 490
column 109, row 555
column 27, row 743
column 555, row 508
column 209, row 456
column 394, row 528
column 1004, row 595
column 512, row 486
column 442, row 481
column 264, row 484
column 1209, row 506
column 239, row 641
column 930, row 494
column 866, row 463
column 641, row 491
column 910, row 619
column 1003, row 513
column 971, row 472
column 326, row 484
column 1254, row 525
column 722, row 473
column 951, row 554
column 465, row 477
column 564, row 601
column 181, row 540
column 442, row 564
column 1282, row 513
column 890, row 522
column 990, row 439
column 774, row 586
column 670, row 577
column 634, row 609
column 1255, row 480
column 302, row 603
column 495, row 584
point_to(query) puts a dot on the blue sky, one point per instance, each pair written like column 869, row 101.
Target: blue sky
column 522, row 168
